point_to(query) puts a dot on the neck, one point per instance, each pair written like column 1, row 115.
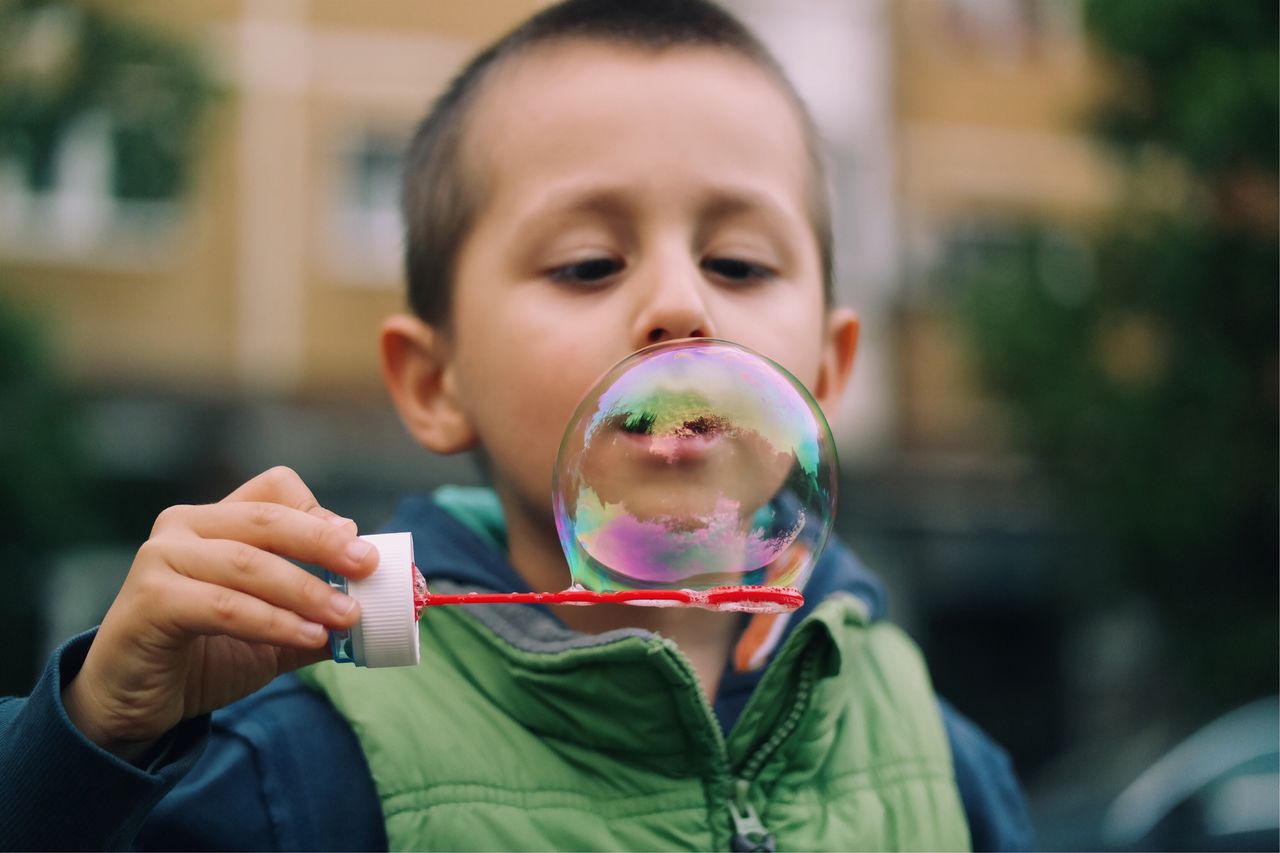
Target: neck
column 535, row 553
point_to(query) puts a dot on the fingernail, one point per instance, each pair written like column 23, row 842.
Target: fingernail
column 341, row 604
column 339, row 521
column 357, row 549
column 312, row 632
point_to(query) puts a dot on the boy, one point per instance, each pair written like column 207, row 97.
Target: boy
column 610, row 175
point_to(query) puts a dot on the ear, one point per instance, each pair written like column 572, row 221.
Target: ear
column 418, row 372
column 839, row 346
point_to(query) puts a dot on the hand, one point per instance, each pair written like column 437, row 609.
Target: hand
column 211, row 611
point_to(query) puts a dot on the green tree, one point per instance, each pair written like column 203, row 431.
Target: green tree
column 1144, row 379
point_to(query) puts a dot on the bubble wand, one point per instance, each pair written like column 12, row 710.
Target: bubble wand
column 751, row 599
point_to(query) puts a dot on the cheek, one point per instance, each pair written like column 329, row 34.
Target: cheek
column 520, row 398
column 787, row 332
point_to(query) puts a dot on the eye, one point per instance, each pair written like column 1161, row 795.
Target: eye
column 589, row 271
column 737, row 271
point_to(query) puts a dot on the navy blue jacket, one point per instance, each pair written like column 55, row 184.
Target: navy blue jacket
column 281, row 770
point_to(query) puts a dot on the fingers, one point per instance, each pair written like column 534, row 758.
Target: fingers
column 282, row 485
column 255, row 572
column 276, row 528
column 195, row 607
column 220, row 568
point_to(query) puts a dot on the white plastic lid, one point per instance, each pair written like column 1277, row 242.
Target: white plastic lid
column 387, row 633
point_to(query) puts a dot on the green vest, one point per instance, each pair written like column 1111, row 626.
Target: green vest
column 515, row 733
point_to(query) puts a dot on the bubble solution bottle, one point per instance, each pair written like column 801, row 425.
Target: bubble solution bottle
column 387, row 633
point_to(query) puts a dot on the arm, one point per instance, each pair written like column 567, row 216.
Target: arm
column 61, row 790
column 210, row 612
column 280, row 770
column 290, row 770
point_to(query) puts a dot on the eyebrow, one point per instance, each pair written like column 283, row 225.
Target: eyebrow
column 614, row 202
column 728, row 204
column 552, row 209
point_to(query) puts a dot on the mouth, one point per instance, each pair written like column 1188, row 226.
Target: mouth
column 676, row 440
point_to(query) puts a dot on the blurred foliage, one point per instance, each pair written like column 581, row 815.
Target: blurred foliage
column 43, row 490
column 1195, row 76
column 1141, row 368
column 40, row 452
column 62, row 62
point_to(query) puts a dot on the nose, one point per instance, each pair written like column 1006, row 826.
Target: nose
column 672, row 304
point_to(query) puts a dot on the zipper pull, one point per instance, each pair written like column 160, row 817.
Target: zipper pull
column 749, row 834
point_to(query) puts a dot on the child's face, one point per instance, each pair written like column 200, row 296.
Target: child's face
column 629, row 197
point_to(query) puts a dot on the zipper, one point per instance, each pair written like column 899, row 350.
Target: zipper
column 750, row 835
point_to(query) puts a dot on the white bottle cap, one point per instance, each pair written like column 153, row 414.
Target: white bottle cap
column 387, row 633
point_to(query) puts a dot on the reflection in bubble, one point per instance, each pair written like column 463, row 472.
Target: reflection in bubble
column 694, row 464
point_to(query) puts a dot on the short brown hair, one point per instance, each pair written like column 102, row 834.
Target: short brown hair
column 438, row 204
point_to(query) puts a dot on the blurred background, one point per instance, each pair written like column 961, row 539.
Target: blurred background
column 1057, row 218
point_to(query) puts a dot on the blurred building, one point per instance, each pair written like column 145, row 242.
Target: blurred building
column 270, row 275
column 946, row 120
column 992, row 104
column 991, row 108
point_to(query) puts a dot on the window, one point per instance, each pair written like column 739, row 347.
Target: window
column 1013, row 29
column 69, row 202
column 364, row 227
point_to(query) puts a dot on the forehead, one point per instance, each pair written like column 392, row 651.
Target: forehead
column 675, row 120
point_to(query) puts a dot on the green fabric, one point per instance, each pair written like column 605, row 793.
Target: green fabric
column 517, row 734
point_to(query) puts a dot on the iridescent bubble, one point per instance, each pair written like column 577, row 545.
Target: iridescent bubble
column 695, row 464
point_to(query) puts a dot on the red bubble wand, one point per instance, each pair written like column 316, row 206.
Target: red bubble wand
column 749, row 599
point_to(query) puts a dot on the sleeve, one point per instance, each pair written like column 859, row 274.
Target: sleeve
column 993, row 801
column 279, row 770
column 61, row 790
column 283, row 771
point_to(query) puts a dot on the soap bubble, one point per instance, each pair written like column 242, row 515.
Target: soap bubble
column 694, row 464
